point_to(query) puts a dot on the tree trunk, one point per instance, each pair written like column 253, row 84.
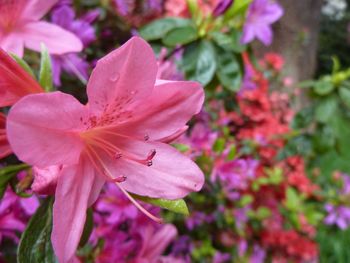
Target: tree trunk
column 296, row 37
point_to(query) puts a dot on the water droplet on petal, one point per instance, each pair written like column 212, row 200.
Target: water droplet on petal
column 146, row 137
column 115, row 77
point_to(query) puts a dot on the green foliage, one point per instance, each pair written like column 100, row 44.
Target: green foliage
column 35, row 244
column 7, row 174
column 228, row 70
column 177, row 206
column 24, row 65
column 180, row 36
column 199, row 62
column 333, row 245
column 45, row 74
column 161, row 27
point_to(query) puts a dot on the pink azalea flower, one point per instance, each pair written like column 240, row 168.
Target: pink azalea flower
column 15, row 83
column 5, row 148
column 119, row 136
column 20, row 27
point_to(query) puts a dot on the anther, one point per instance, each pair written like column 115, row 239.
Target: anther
column 149, row 163
column 151, row 154
column 119, row 179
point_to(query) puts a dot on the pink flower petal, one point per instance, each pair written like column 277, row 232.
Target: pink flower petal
column 12, row 43
column 5, row 148
column 57, row 40
column 69, row 212
column 170, row 107
column 156, row 241
column 36, row 9
column 15, row 82
column 122, row 76
column 45, row 179
column 171, row 176
column 43, row 129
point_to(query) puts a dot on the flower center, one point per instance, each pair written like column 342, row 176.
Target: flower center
column 100, row 140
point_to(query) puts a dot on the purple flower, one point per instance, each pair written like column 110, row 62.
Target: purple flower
column 222, row 7
column 235, row 175
column 167, row 68
column 258, row 255
column 337, row 215
column 261, row 14
column 197, row 219
column 127, row 7
column 221, row 257
column 64, row 16
column 14, row 214
column 248, row 82
column 240, row 216
column 70, row 63
column 127, row 234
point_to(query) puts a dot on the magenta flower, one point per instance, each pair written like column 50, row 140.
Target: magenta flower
column 20, row 27
column 14, row 213
column 119, row 136
column 155, row 241
column 64, row 16
column 261, row 14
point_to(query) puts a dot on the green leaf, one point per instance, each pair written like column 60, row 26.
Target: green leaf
column 326, row 109
column 177, row 206
column 323, row 87
column 89, row 225
column 344, row 95
column 45, row 75
column 23, row 64
column 246, row 200
column 263, row 213
column 228, row 41
column 35, row 244
column 293, row 201
column 228, row 71
column 199, row 62
column 180, row 36
column 159, row 28
column 232, row 153
column 303, row 118
column 238, row 8
column 7, row 173
column 219, row 145
column 4, row 180
column 336, row 65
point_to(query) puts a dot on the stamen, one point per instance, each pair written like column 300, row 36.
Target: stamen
column 151, row 154
column 174, row 136
column 119, row 179
column 143, row 210
column 115, row 153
